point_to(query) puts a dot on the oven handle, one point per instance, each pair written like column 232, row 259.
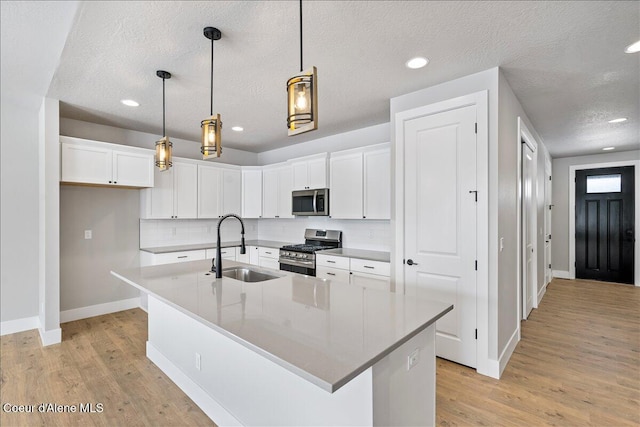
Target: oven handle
column 315, row 196
column 296, row 262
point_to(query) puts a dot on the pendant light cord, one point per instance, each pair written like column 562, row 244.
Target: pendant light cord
column 211, row 76
column 301, row 35
column 164, row 133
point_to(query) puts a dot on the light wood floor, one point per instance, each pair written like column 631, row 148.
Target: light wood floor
column 578, row 364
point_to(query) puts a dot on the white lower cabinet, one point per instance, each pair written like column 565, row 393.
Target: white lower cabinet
column 227, row 253
column 356, row 271
column 268, row 258
column 254, row 255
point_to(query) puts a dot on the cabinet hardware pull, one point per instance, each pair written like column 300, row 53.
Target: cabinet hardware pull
column 368, row 266
column 183, row 256
column 268, row 253
column 331, row 262
column 331, row 274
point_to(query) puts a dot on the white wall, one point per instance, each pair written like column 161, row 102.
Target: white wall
column 181, row 147
column 509, row 144
column 18, row 212
column 560, row 192
column 485, row 80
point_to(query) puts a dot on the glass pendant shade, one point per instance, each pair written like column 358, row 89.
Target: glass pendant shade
column 211, row 144
column 163, row 153
column 302, row 102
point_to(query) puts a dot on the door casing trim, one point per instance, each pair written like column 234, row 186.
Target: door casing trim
column 572, row 212
column 480, row 99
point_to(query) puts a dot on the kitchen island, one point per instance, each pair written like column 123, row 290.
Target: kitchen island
column 293, row 350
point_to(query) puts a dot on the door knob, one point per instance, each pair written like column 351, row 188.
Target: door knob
column 410, row 262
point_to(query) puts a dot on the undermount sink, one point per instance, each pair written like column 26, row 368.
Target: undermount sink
column 247, row 274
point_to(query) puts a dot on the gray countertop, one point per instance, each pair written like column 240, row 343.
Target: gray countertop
column 199, row 246
column 325, row 331
column 357, row 253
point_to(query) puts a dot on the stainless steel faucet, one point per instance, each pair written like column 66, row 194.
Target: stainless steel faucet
column 218, row 258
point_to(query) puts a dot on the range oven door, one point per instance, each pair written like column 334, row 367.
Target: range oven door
column 310, row 202
column 307, row 267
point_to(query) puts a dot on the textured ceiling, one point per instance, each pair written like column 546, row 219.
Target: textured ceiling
column 564, row 61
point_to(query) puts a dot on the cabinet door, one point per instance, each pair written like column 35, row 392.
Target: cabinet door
column 377, row 184
column 285, row 183
column 317, row 173
column 132, row 169
column 86, row 164
column 370, row 281
column 209, row 182
column 251, row 193
column 231, row 192
column 254, row 255
column 159, row 199
column 185, row 187
column 270, row 193
column 299, row 171
column 346, row 186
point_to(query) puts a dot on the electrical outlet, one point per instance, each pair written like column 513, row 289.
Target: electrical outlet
column 88, row 234
column 198, row 360
column 413, row 358
column 501, row 244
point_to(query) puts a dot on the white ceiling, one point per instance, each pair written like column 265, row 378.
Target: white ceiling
column 564, row 61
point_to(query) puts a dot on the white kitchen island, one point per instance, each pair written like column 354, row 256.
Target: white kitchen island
column 294, row 350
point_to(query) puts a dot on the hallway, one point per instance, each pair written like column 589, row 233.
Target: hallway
column 577, row 364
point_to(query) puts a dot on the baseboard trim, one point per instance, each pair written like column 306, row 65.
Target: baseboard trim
column 50, row 337
column 209, row 405
column 561, row 274
column 508, row 351
column 541, row 293
column 19, row 325
column 98, row 309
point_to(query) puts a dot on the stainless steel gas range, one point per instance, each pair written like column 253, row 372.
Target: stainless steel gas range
column 302, row 258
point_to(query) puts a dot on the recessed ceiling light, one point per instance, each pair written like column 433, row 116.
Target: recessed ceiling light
column 130, row 103
column 417, row 62
column 237, row 128
column 620, row 120
column 633, row 47
column 608, row 148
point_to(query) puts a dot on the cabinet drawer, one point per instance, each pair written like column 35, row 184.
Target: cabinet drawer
column 371, row 267
column 332, row 261
column 227, row 253
column 183, row 256
column 332, row 274
column 269, row 253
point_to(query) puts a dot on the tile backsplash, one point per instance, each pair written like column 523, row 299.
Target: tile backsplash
column 360, row 234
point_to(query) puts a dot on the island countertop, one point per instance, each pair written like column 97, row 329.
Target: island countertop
column 325, row 331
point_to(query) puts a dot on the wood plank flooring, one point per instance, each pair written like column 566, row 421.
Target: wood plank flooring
column 578, row 364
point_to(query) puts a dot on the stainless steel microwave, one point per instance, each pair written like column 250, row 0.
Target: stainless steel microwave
column 310, row 202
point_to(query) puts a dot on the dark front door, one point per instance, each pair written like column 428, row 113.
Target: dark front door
column 605, row 224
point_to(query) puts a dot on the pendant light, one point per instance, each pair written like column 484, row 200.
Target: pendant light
column 163, row 146
column 302, row 97
column 211, row 127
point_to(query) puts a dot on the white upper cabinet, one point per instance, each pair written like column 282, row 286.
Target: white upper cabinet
column 346, row 190
column 276, row 192
column 309, row 172
column 361, row 183
column 100, row 163
column 175, row 194
column 209, row 200
column 219, row 191
column 377, row 184
column 231, row 192
column 252, row 192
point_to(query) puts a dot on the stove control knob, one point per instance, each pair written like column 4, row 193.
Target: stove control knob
column 305, row 256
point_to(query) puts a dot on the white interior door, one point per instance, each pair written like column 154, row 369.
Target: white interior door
column 440, row 224
column 528, row 232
